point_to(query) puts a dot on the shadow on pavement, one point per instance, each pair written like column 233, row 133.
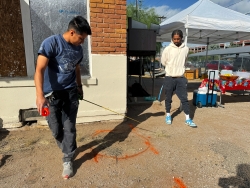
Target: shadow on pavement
column 118, row 134
column 3, row 134
column 3, row 159
column 122, row 130
column 234, row 98
column 179, row 110
column 241, row 180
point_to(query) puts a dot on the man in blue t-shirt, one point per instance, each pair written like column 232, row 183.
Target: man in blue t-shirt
column 58, row 84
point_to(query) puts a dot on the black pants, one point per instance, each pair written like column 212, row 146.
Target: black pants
column 179, row 86
column 62, row 120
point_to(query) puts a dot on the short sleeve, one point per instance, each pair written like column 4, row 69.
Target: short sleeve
column 48, row 47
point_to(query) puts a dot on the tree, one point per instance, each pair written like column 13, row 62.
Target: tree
column 146, row 16
column 213, row 47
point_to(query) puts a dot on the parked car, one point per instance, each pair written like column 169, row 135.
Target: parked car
column 202, row 64
column 223, row 65
column 241, row 64
column 199, row 64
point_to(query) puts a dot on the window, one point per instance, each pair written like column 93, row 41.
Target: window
column 12, row 55
column 49, row 17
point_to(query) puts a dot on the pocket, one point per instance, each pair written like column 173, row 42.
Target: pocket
column 184, row 81
column 168, row 82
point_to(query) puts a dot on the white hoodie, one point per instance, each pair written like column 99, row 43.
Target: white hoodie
column 174, row 59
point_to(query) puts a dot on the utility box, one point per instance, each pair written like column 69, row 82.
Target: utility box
column 197, row 73
column 190, row 74
column 29, row 115
column 141, row 41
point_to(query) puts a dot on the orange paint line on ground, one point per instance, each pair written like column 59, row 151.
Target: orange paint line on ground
column 96, row 158
column 100, row 131
column 148, row 144
column 119, row 158
column 154, row 150
column 180, row 183
column 151, row 147
column 131, row 126
column 134, row 131
column 129, row 156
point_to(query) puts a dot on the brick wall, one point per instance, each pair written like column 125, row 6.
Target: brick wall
column 108, row 24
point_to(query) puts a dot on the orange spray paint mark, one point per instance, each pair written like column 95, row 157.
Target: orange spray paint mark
column 180, row 183
column 147, row 143
column 96, row 158
column 154, row 150
column 151, row 147
column 100, row 131
column 131, row 126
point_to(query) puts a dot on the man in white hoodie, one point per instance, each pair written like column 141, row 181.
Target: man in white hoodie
column 174, row 58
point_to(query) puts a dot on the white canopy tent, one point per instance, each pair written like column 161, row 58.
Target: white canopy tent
column 206, row 22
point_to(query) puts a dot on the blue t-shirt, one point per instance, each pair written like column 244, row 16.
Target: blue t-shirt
column 63, row 57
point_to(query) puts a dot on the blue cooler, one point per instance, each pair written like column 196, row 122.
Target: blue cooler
column 200, row 98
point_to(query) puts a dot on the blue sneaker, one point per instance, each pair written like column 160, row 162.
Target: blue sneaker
column 190, row 123
column 168, row 120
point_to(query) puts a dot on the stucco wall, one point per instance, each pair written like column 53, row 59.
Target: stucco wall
column 107, row 88
column 15, row 94
column 110, row 90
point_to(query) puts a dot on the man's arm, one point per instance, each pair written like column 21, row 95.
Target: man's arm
column 186, row 60
column 164, row 57
column 42, row 63
column 78, row 79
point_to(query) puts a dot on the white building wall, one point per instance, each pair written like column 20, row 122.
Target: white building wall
column 109, row 90
column 106, row 88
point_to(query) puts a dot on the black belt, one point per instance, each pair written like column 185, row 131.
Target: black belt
column 175, row 76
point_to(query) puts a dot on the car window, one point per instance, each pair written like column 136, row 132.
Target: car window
column 225, row 63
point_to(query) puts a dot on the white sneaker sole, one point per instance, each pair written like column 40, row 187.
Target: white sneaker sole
column 193, row 126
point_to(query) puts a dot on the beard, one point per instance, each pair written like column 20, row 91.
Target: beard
column 178, row 44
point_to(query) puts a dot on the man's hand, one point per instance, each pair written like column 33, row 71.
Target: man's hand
column 42, row 63
column 80, row 92
column 40, row 103
column 79, row 82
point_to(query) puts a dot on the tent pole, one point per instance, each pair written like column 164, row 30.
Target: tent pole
column 219, row 64
column 241, row 63
column 186, row 37
column 207, row 49
column 153, row 84
column 141, row 64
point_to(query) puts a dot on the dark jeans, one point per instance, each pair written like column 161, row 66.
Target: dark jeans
column 62, row 120
column 179, row 86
